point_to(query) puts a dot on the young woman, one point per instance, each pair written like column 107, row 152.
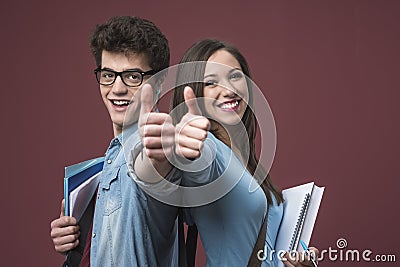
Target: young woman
column 222, row 121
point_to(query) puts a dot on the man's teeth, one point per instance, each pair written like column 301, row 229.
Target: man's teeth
column 230, row 105
column 120, row 102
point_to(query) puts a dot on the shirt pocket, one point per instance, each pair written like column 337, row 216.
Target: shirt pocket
column 113, row 200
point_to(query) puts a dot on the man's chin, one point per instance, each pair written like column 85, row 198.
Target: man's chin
column 124, row 120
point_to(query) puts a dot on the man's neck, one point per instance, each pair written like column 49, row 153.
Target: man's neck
column 117, row 130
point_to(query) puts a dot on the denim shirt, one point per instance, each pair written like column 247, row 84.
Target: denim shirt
column 229, row 226
column 130, row 228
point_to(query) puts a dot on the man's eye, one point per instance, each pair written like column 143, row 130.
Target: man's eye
column 132, row 76
column 107, row 75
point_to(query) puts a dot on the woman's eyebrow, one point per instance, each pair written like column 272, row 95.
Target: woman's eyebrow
column 210, row 75
column 234, row 69
column 215, row 75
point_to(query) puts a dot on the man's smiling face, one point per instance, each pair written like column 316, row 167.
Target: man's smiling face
column 118, row 97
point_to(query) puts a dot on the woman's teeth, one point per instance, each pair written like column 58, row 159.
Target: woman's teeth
column 230, row 105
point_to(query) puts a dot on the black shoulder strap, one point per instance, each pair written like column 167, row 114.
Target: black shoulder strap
column 182, row 262
column 254, row 261
column 187, row 250
column 191, row 245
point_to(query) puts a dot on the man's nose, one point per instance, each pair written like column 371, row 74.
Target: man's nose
column 119, row 87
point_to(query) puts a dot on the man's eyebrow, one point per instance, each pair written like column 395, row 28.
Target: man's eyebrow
column 105, row 68
column 134, row 69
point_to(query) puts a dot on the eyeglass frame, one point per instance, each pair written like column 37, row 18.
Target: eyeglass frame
column 119, row 73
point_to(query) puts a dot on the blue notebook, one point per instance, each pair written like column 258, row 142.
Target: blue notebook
column 80, row 183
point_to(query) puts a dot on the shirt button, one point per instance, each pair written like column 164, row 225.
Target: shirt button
column 94, row 235
column 109, row 161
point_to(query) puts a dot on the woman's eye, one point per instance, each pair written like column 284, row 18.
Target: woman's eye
column 236, row 76
column 210, row 83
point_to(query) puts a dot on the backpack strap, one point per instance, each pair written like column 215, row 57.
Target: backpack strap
column 191, row 245
column 182, row 261
column 186, row 250
column 254, row 261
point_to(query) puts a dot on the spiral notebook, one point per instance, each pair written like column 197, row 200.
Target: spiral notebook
column 300, row 209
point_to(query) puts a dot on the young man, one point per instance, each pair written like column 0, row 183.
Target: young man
column 129, row 228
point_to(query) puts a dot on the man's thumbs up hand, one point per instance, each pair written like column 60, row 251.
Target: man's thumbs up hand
column 156, row 129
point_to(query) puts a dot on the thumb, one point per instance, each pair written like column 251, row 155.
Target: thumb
column 62, row 208
column 146, row 99
column 191, row 102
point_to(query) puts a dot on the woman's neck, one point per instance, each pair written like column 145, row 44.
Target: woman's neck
column 232, row 136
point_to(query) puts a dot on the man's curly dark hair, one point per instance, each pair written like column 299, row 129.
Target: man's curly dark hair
column 129, row 34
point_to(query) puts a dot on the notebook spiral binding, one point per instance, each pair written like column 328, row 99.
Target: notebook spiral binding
column 299, row 225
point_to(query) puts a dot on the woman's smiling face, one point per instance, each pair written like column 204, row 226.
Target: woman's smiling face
column 225, row 90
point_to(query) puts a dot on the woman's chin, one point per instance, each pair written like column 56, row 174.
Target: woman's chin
column 230, row 121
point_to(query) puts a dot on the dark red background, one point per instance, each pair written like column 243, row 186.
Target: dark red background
column 329, row 69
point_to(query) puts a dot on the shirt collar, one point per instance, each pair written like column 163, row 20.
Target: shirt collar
column 118, row 153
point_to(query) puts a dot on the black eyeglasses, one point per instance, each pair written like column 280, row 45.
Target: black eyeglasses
column 129, row 77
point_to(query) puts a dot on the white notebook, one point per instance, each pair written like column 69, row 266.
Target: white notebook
column 301, row 204
column 80, row 197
